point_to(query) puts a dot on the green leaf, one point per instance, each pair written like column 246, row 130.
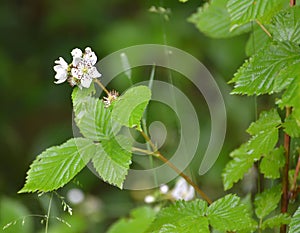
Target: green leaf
column 228, row 214
column 140, row 219
column 267, row 120
column 291, row 126
column 129, row 108
column 112, row 159
column 245, row 11
column 295, row 223
column 285, row 25
column 56, row 166
column 267, row 201
column 213, row 20
column 182, row 217
column 79, row 95
column 271, row 163
column 276, row 221
column 94, row 119
column 257, row 40
column 266, row 71
column 236, row 168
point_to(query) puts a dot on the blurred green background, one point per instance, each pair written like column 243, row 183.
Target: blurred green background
column 37, row 114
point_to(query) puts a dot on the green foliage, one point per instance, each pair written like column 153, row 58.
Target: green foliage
column 257, row 40
column 92, row 117
column 264, row 138
column 213, row 20
column 295, row 223
column 267, row 201
column 276, row 221
column 285, row 25
column 112, row 159
column 291, row 126
column 175, row 217
column 140, row 219
column 265, row 72
column 271, row 163
column 225, row 214
column 129, row 108
column 228, row 214
column 245, row 11
column 56, row 166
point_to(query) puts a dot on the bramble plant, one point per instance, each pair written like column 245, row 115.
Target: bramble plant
column 272, row 69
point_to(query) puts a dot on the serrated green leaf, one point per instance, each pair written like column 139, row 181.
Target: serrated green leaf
column 267, row 120
column 140, row 219
column 266, row 71
column 112, row 159
column 245, row 11
column 228, row 214
column 94, row 119
column 79, row 95
column 263, row 143
column 182, row 217
column 129, row 108
column 276, row 221
column 295, row 223
column 257, row 40
column 213, row 20
column 285, row 26
column 267, row 201
column 271, row 163
column 57, row 165
column 291, row 126
column 237, row 167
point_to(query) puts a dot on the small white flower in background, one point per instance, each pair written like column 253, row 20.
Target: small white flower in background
column 111, row 97
column 81, row 71
column 183, row 191
column 75, row 196
column 149, row 199
column 164, row 189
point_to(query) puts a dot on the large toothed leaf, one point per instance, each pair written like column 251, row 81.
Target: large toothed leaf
column 214, row 21
column 112, row 159
column 56, row 166
column 266, row 71
column 292, row 126
column 267, row 201
column 295, row 223
column 285, row 25
column 257, row 40
column 236, row 168
column 181, row 217
column 228, row 214
column 139, row 221
column 276, row 221
column 267, row 120
column 129, row 108
column 245, row 11
column 271, row 163
column 92, row 118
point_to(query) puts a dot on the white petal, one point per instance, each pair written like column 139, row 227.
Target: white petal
column 62, row 63
column 190, row 194
column 76, row 61
column 86, row 82
column 164, row 189
column 76, row 53
column 93, row 72
column 74, row 72
column 149, row 199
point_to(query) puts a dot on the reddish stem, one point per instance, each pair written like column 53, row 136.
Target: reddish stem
column 292, row 2
column 285, row 177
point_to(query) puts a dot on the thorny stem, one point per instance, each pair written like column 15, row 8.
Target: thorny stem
column 101, row 85
column 285, row 177
column 263, row 28
column 48, row 213
column 158, row 155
